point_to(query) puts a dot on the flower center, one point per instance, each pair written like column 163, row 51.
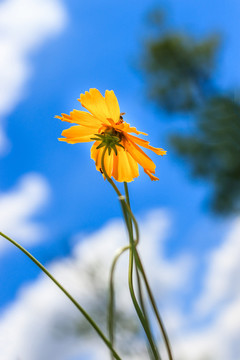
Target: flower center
column 109, row 138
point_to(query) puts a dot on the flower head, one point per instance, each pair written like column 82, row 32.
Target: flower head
column 104, row 125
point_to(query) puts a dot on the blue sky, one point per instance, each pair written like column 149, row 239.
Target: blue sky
column 50, row 191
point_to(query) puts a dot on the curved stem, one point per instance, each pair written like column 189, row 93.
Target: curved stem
column 154, row 306
column 106, row 174
column 138, row 309
column 140, row 294
column 78, row 306
column 111, row 314
column 151, row 297
column 149, row 291
column 126, row 210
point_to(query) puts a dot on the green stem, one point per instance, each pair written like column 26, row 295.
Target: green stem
column 137, row 258
column 151, row 297
column 140, row 294
column 84, row 313
column 126, row 209
column 111, row 313
column 140, row 310
column 154, row 306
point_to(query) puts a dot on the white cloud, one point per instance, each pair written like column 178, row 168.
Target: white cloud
column 221, row 282
column 19, row 205
column 28, row 324
column 217, row 309
column 33, row 324
column 24, row 26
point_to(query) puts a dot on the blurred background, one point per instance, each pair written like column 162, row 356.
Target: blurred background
column 174, row 67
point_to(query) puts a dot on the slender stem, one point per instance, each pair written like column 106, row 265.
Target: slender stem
column 106, row 174
column 151, row 297
column 131, row 217
column 111, row 313
column 141, row 300
column 154, row 306
column 138, row 309
column 84, row 313
column 136, row 255
column 127, row 193
column 126, row 210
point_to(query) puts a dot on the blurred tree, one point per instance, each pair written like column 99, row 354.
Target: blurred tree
column 179, row 73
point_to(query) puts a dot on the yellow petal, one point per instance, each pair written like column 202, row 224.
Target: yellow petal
column 76, row 140
column 145, row 144
column 112, row 105
column 94, row 102
column 125, row 168
column 128, row 129
column 77, row 134
column 152, row 177
column 96, row 155
column 64, row 117
column 85, row 119
column 139, row 156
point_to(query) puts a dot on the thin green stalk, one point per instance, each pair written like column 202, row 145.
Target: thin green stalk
column 133, row 244
column 137, row 272
column 151, row 297
column 140, row 311
column 138, row 261
column 129, row 219
column 111, row 313
column 139, row 285
column 154, row 306
column 78, row 306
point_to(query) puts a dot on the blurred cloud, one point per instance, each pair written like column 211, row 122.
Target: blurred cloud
column 37, row 324
column 217, row 308
column 18, row 207
column 24, row 26
column 221, row 282
column 28, row 323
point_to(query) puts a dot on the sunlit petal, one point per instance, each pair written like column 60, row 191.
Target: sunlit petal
column 112, row 105
column 94, row 102
column 77, row 134
column 96, row 155
column 125, row 168
column 145, row 144
column 140, row 156
column 104, row 122
column 152, row 177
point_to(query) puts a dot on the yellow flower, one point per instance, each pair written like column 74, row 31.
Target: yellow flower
column 104, row 117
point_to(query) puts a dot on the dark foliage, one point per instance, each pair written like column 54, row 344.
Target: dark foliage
column 179, row 71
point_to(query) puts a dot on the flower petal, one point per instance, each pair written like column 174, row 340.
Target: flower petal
column 125, row 168
column 77, row 134
column 81, row 118
column 145, row 144
column 152, row 177
column 127, row 128
column 96, row 155
column 139, row 156
column 94, row 102
column 85, row 119
column 112, row 105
